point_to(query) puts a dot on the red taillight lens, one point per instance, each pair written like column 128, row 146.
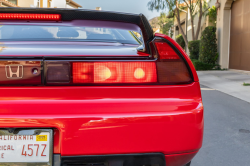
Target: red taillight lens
column 171, row 67
column 82, row 72
column 165, row 51
column 23, row 16
column 114, row 72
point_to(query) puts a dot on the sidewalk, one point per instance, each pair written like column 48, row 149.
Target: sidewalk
column 229, row 82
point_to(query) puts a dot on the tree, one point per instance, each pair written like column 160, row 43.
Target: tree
column 176, row 6
column 165, row 23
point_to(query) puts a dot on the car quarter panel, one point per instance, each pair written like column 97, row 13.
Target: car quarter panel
column 109, row 120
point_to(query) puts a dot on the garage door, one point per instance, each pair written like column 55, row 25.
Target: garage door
column 239, row 57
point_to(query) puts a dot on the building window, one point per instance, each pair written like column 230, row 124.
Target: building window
column 13, row 1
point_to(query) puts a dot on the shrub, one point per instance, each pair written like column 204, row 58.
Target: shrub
column 194, row 49
column 212, row 13
column 202, row 66
column 208, row 46
column 180, row 40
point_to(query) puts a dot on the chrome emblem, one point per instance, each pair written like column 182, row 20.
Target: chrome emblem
column 14, row 75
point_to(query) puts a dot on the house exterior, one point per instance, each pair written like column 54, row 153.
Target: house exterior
column 185, row 19
column 233, row 30
column 40, row 3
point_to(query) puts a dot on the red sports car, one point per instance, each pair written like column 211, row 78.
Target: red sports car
column 94, row 88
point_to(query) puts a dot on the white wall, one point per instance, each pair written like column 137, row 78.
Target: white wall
column 35, row 3
column 67, row 6
column 45, row 3
column 58, row 3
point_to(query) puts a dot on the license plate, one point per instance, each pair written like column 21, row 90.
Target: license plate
column 26, row 146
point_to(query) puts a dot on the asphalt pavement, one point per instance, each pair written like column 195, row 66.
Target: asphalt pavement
column 227, row 130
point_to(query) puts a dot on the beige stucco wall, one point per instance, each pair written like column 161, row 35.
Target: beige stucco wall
column 223, row 32
column 182, row 19
column 204, row 22
column 25, row 3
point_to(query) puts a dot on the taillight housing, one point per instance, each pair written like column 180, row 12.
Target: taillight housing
column 165, row 67
column 89, row 73
column 171, row 66
column 114, row 72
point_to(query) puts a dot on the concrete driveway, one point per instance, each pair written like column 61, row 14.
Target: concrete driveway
column 229, row 82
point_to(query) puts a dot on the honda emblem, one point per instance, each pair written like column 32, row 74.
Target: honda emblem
column 14, row 71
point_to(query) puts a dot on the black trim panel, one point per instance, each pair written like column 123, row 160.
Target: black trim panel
column 116, row 160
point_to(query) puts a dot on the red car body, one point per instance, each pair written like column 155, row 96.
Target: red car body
column 109, row 120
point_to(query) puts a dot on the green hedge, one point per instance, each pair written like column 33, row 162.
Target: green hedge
column 208, row 46
column 202, row 66
column 180, row 40
column 194, row 49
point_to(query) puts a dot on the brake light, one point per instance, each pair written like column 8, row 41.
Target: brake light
column 114, row 72
column 171, row 67
column 23, row 16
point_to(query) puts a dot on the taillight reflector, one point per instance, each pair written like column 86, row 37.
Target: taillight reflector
column 165, row 51
column 114, row 72
column 23, row 16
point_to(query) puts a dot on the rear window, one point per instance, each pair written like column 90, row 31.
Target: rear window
column 68, row 33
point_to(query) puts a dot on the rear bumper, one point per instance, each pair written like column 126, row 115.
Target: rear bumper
column 160, row 119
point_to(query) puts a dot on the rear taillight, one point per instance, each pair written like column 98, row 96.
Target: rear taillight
column 171, row 67
column 100, row 72
column 166, row 67
column 24, row 16
column 114, row 72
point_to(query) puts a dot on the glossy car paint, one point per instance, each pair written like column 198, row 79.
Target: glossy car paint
column 101, row 120
column 110, row 120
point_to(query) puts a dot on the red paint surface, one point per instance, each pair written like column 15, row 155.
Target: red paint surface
column 110, row 120
column 97, row 120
